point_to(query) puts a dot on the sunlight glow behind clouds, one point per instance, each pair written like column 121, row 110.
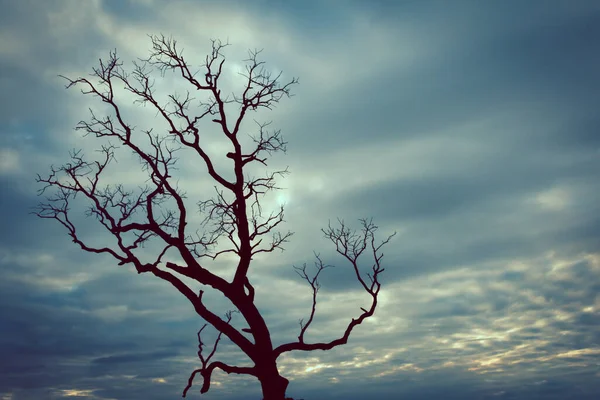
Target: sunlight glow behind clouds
column 555, row 199
column 9, row 161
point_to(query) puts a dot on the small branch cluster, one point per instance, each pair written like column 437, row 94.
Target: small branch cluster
column 262, row 225
column 113, row 207
column 262, row 89
column 351, row 246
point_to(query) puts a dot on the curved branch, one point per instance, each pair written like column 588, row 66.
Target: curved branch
column 328, row 345
column 351, row 245
column 315, row 286
column 206, row 369
column 220, row 325
column 207, row 373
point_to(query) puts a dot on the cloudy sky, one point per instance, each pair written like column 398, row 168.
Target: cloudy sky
column 469, row 127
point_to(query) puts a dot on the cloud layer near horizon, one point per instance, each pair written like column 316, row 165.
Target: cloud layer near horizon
column 471, row 129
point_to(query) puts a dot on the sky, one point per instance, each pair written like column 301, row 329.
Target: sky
column 471, row 128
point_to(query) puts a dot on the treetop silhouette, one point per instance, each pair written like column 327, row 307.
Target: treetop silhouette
column 158, row 213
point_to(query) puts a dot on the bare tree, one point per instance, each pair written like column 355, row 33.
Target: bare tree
column 157, row 212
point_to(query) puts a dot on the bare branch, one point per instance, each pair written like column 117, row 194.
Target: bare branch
column 220, row 325
column 207, row 373
column 207, row 369
column 315, row 286
column 351, row 245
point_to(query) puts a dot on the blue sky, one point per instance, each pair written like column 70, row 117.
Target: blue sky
column 469, row 127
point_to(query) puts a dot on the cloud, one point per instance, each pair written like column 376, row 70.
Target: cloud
column 469, row 129
column 10, row 161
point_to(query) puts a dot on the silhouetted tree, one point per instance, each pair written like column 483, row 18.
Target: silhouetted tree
column 157, row 213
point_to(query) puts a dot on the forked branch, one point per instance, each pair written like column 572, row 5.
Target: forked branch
column 315, row 286
column 351, row 245
column 208, row 367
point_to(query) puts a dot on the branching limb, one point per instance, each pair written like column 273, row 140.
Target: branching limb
column 263, row 90
column 207, row 369
column 82, row 179
column 142, row 88
column 220, row 218
column 260, row 228
column 158, row 161
column 262, row 225
column 315, row 286
column 207, row 373
column 111, row 206
column 219, row 324
column 351, row 245
column 265, row 142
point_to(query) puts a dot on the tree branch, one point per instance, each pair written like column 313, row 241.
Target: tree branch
column 315, row 286
column 220, row 325
column 207, row 373
column 207, row 369
column 351, row 245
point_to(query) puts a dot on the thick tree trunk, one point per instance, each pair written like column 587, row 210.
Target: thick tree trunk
column 273, row 385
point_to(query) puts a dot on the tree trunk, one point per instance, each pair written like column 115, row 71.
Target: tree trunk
column 273, row 385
